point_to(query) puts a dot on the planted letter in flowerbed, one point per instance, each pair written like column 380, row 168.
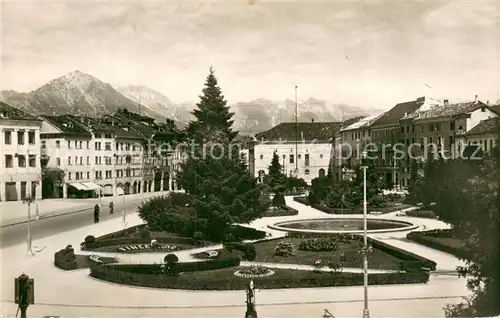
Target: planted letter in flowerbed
column 225, row 279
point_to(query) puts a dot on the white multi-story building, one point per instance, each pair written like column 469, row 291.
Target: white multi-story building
column 69, row 146
column 20, row 174
column 304, row 149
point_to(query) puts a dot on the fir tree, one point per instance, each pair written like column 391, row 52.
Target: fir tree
column 213, row 120
column 223, row 190
column 275, row 179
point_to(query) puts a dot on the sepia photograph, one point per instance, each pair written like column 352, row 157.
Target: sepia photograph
column 250, row 158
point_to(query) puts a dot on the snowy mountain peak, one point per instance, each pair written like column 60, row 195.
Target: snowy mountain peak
column 77, row 79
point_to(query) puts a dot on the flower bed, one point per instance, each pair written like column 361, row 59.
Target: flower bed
column 281, row 211
column 144, row 248
column 224, row 279
column 67, row 260
column 256, row 271
column 442, row 240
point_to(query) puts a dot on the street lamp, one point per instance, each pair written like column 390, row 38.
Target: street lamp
column 366, row 312
column 29, row 239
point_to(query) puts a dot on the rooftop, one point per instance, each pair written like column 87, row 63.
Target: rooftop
column 485, row 126
column 364, row 122
column 12, row 113
column 320, row 131
column 446, row 110
column 396, row 113
column 67, row 124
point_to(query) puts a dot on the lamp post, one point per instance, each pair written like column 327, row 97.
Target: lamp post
column 251, row 312
column 366, row 312
column 124, row 220
column 37, row 206
column 296, row 136
column 29, row 239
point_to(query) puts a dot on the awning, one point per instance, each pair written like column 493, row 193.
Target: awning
column 78, row 186
column 90, row 186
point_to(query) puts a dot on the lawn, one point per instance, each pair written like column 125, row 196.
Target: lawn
column 443, row 240
column 224, row 279
column 377, row 259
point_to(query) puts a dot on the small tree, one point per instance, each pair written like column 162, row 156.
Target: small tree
column 275, row 178
column 278, row 200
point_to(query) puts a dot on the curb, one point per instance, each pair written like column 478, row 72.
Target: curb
column 49, row 216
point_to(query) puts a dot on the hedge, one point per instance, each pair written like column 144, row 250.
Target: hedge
column 281, row 211
column 357, row 210
column 302, row 279
column 65, row 259
column 135, row 240
column 246, row 233
column 186, row 267
column 426, row 238
column 408, row 258
column 421, row 214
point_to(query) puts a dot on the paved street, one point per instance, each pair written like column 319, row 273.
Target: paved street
column 15, row 234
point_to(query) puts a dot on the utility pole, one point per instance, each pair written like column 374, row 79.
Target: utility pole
column 366, row 312
column 296, row 135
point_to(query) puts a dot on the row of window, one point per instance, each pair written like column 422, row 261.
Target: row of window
column 21, row 139
column 78, row 144
column 291, row 158
column 21, row 161
column 356, row 134
column 108, row 174
column 485, row 146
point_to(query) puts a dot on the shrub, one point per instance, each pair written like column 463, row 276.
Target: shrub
column 284, row 248
column 336, row 267
column 66, row 259
column 246, row 233
column 278, row 199
column 89, row 239
column 317, row 266
column 248, row 250
column 282, row 211
column 145, row 233
column 198, row 236
column 171, row 259
column 319, row 245
column 312, row 198
column 377, row 201
column 229, row 238
column 421, row 214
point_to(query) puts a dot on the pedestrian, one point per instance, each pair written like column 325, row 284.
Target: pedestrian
column 111, row 207
column 96, row 213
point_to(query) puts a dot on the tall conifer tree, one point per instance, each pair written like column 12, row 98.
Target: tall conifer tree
column 214, row 174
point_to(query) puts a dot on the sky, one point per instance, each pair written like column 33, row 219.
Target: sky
column 371, row 54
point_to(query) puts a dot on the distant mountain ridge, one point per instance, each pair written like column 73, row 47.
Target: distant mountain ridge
column 79, row 93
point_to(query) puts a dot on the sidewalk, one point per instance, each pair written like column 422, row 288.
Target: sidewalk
column 12, row 213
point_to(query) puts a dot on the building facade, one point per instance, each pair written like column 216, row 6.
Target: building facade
column 304, row 150
column 484, row 135
column 20, row 155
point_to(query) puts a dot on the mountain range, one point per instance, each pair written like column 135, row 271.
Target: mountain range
column 79, row 93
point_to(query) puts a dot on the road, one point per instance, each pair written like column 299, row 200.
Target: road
column 15, row 234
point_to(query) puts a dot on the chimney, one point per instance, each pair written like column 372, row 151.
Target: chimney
column 446, row 102
column 475, row 98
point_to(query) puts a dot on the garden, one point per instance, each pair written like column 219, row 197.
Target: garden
column 446, row 240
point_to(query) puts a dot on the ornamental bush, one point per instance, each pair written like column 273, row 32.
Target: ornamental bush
column 198, row 236
column 319, row 245
column 284, row 248
column 89, row 239
column 171, row 259
column 278, row 199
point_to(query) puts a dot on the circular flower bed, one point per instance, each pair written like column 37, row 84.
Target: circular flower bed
column 141, row 248
column 254, row 272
